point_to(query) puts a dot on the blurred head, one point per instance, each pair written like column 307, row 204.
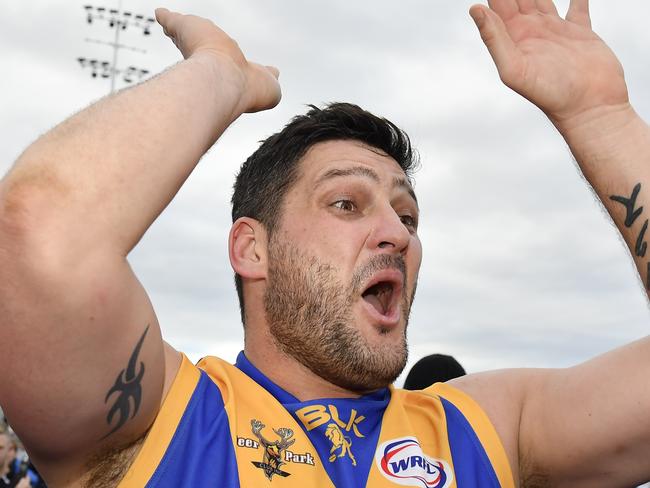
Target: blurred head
column 432, row 369
column 7, row 450
column 330, row 198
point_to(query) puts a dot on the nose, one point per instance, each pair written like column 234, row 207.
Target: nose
column 389, row 232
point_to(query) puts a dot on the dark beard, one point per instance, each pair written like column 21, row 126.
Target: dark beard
column 310, row 318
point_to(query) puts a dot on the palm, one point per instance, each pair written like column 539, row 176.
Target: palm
column 559, row 65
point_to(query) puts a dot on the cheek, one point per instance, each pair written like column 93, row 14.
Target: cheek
column 335, row 249
column 415, row 249
column 333, row 239
column 415, row 257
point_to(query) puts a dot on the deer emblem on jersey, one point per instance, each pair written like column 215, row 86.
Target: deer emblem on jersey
column 273, row 450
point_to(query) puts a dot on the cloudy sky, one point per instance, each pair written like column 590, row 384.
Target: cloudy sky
column 521, row 266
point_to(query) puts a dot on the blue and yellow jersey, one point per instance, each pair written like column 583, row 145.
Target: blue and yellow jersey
column 230, row 426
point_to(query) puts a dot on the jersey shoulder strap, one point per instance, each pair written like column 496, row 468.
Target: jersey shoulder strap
column 461, row 408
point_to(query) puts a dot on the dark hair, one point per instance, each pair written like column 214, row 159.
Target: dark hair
column 433, row 369
column 267, row 175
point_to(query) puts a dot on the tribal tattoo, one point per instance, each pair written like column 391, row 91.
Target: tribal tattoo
column 128, row 386
column 632, row 214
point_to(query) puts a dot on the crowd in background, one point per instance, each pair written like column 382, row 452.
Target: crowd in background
column 16, row 471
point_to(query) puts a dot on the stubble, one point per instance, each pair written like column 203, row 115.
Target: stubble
column 310, row 317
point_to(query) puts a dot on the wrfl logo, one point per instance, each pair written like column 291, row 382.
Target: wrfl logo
column 403, row 462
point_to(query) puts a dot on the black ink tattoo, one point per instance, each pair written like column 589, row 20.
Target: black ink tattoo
column 641, row 245
column 630, row 203
column 128, row 386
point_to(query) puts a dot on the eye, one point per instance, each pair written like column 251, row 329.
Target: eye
column 345, row 205
column 409, row 221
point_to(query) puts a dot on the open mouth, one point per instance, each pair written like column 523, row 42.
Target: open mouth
column 379, row 296
column 383, row 292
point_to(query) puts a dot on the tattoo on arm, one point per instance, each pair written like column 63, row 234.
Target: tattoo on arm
column 128, row 386
column 630, row 203
column 641, row 246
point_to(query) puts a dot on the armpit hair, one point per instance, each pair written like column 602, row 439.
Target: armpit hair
column 532, row 476
column 107, row 468
column 535, row 480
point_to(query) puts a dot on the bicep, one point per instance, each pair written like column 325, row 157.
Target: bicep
column 83, row 366
column 588, row 425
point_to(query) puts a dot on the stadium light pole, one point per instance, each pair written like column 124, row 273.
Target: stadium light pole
column 116, row 43
column 119, row 20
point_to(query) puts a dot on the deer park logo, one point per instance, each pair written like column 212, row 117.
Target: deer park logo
column 272, row 459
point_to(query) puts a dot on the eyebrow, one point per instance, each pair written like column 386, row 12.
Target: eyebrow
column 365, row 172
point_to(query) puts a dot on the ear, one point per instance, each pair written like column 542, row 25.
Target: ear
column 247, row 248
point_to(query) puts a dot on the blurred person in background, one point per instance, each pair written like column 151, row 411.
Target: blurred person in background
column 21, row 463
column 434, row 368
column 13, row 475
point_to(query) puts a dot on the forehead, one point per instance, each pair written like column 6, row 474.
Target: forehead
column 323, row 157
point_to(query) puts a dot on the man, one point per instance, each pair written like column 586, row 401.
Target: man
column 9, row 476
column 326, row 278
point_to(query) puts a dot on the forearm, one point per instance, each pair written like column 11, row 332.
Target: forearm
column 613, row 150
column 106, row 173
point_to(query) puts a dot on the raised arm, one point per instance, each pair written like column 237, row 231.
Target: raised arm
column 86, row 368
column 586, row 426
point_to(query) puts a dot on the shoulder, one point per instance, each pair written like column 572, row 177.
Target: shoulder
column 191, row 427
column 502, row 395
column 450, row 423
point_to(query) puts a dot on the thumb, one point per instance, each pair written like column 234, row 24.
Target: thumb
column 161, row 15
column 166, row 19
column 496, row 38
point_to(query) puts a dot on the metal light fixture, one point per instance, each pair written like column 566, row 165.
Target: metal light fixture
column 119, row 21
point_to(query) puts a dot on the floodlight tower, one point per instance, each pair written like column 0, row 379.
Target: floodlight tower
column 119, row 21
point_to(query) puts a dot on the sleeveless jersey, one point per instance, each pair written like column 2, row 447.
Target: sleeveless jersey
column 230, row 426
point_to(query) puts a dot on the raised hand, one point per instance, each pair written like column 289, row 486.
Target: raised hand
column 559, row 64
column 194, row 36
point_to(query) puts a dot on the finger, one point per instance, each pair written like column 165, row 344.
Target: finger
column 498, row 42
column 546, row 7
column 579, row 13
column 269, row 92
column 527, row 6
column 505, row 9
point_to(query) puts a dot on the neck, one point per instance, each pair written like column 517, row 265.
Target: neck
column 288, row 373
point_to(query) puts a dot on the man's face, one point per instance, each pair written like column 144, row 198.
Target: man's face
column 343, row 266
